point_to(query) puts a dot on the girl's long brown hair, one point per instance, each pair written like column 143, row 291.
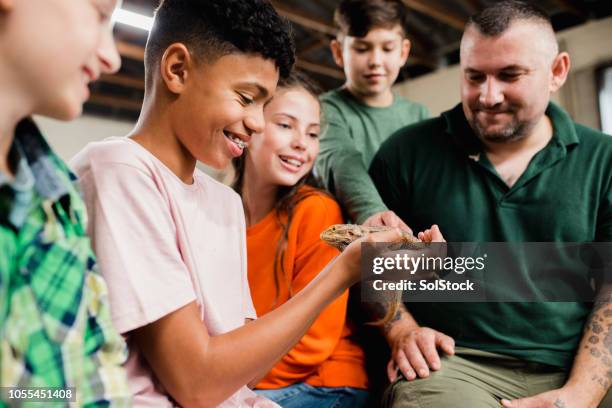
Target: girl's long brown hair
column 287, row 197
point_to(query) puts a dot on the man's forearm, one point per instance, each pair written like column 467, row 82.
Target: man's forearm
column 592, row 370
column 401, row 319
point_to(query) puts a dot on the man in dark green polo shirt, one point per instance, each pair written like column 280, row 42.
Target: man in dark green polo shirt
column 504, row 165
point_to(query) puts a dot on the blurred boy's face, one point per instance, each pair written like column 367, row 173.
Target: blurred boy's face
column 52, row 49
column 372, row 63
column 221, row 106
column 287, row 149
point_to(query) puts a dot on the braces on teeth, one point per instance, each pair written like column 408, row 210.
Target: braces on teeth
column 241, row 143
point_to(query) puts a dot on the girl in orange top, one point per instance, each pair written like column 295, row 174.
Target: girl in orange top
column 285, row 215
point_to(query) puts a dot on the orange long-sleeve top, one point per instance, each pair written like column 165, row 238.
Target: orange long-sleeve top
column 325, row 356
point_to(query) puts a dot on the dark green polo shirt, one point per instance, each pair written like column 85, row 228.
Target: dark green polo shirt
column 436, row 172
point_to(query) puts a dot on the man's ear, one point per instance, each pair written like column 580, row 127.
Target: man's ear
column 175, row 66
column 6, row 5
column 560, row 70
column 336, row 49
column 406, row 45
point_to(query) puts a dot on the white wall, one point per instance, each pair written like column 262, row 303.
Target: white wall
column 589, row 46
column 439, row 91
column 68, row 138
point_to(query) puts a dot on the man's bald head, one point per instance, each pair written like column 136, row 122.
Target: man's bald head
column 497, row 18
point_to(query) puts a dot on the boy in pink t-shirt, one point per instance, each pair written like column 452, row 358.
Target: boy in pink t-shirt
column 166, row 245
column 170, row 240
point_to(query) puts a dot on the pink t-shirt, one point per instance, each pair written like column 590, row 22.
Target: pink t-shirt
column 162, row 244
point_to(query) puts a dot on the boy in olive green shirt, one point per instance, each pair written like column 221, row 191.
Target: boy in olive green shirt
column 371, row 47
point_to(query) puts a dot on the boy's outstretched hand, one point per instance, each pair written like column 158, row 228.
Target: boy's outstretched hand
column 387, row 218
column 432, row 234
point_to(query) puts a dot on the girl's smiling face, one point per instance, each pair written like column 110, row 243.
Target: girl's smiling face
column 289, row 145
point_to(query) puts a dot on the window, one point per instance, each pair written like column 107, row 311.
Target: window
column 605, row 99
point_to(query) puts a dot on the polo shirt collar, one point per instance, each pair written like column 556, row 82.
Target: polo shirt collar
column 564, row 129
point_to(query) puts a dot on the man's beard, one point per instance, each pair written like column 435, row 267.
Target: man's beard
column 512, row 132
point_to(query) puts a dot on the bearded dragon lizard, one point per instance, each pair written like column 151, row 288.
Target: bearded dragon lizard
column 341, row 235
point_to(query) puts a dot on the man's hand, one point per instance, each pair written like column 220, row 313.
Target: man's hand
column 414, row 350
column 387, row 218
column 559, row 398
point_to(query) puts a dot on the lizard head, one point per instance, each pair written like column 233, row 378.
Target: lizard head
column 341, row 235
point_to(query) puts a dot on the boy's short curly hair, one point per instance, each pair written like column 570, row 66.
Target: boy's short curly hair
column 213, row 28
column 356, row 18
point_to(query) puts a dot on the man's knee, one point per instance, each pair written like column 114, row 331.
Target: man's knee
column 437, row 391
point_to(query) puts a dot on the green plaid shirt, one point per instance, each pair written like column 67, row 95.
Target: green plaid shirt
column 55, row 325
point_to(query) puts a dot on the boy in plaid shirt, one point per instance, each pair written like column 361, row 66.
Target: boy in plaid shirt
column 55, row 327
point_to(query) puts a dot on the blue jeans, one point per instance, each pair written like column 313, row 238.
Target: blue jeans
column 302, row 395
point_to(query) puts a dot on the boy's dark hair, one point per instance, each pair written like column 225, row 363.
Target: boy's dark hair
column 213, row 28
column 495, row 19
column 357, row 17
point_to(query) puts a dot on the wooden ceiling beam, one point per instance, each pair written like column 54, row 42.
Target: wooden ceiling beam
column 313, row 45
column 304, row 20
column 123, row 80
column 115, row 102
column 421, row 59
column 437, row 13
column 320, row 69
column 131, row 51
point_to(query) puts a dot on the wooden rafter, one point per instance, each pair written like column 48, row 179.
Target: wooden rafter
column 425, row 60
column 123, row 80
column 115, row 102
column 299, row 17
column 436, row 12
column 320, row 69
column 313, row 45
column 131, row 51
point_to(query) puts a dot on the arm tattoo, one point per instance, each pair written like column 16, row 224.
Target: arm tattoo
column 559, row 404
column 397, row 316
column 377, row 311
column 598, row 334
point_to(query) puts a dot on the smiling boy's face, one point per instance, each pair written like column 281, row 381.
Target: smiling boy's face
column 52, row 49
column 373, row 62
column 218, row 106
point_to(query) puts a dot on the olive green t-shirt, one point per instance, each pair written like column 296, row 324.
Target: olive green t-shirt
column 353, row 132
column 437, row 172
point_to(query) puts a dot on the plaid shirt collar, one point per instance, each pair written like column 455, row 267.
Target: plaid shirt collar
column 39, row 159
column 36, row 169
